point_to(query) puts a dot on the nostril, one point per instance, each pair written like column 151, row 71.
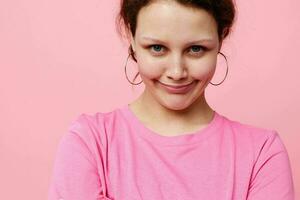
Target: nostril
column 102, row 197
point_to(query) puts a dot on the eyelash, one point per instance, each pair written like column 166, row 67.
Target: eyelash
column 198, row 46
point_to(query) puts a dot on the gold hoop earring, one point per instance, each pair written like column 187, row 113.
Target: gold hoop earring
column 226, row 71
column 126, row 73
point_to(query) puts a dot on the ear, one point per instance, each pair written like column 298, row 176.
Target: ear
column 222, row 38
column 220, row 45
column 132, row 41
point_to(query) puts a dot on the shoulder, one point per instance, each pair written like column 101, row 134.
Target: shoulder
column 86, row 125
column 94, row 127
column 261, row 140
column 248, row 130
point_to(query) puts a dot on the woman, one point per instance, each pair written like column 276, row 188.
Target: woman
column 169, row 143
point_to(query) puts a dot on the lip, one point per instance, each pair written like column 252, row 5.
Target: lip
column 177, row 89
column 177, row 86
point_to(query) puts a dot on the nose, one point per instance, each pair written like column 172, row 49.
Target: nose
column 176, row 69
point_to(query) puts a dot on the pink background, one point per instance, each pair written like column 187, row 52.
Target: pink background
column 61, row 58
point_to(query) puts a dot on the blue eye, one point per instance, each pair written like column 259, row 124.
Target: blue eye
column 156, row 47
column 198, row 48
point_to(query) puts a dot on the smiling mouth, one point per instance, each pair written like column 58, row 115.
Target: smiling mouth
column 177, row 86
column 178, row 89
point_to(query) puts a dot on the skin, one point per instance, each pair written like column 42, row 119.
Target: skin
column 173, row 60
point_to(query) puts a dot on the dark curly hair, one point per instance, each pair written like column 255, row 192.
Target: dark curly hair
column 223, row 12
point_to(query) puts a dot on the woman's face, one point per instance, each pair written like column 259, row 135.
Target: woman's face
column 175, row 45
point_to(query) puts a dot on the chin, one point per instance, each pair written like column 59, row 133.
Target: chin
column 176, row 104
column 181, row 103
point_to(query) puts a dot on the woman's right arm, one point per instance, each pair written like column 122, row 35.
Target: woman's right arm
column 74, row 175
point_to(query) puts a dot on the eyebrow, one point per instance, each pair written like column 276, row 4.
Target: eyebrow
column 191, row 42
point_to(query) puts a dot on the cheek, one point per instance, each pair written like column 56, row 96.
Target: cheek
column 202, row 69
column 150, row 69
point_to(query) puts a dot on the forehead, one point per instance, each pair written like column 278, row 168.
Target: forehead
column 171, row 19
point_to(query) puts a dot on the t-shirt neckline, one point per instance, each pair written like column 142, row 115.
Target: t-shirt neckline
column 185, row 139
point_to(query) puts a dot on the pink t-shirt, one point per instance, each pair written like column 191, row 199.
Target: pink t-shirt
column 113, row 156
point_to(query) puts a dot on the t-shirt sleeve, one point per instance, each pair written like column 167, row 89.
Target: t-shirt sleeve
column 75, row 175
column 272, row 176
